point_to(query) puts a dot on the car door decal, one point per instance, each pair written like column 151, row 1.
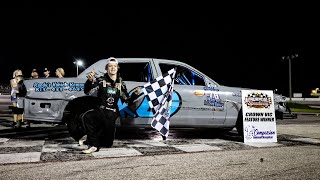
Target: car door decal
column 143, row 110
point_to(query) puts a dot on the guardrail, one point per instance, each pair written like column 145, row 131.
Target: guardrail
column 5, row 91
column 303, row 99
column 309, row 101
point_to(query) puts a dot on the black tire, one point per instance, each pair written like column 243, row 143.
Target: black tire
column 239, row 123
column 72, row 114
column 74, row 126
column 278, row 115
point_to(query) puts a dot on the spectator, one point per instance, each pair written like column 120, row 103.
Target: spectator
column 60, row 72
column 19, row 110
column 34, row 74
column 46, row 72
column 17, row 76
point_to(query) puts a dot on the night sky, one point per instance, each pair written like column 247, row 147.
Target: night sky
column 243, row 51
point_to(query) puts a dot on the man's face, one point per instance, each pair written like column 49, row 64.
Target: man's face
column 34, row 74
column 46, row 73
column 112, row 69
column 19, row 73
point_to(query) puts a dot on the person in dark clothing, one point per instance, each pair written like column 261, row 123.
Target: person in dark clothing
column 99, row 123
column 19, row 91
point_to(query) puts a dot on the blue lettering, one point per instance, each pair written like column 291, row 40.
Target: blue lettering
column 57, row 89
column 40, row 89
column 40, row 85
column 76, row 84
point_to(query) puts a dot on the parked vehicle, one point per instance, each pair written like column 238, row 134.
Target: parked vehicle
column 315, row 92
column 198, row 101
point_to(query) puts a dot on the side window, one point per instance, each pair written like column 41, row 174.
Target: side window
column 139, row 72
column 184, row 76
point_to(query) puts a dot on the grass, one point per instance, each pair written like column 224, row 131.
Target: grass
column 296, row 107
column 305, row 110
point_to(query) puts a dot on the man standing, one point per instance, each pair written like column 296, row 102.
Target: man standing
column 46, row 72
column 34, row 74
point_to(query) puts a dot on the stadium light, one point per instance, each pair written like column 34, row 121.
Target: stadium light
column 78, row 63
column 289, row 58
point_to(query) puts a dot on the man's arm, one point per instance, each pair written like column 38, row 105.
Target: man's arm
column 91, row 84
column 125, row 95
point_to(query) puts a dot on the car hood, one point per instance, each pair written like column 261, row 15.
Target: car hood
column 277, row 97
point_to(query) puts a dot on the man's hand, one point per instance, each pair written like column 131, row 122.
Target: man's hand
column 137, row 91
column 91, row 75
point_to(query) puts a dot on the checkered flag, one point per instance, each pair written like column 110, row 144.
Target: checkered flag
column 159, row 96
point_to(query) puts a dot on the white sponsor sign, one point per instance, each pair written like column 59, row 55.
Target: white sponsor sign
column 259, row 122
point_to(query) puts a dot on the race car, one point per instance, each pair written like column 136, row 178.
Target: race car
column 197, row 102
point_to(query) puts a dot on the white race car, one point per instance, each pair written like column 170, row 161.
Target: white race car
column 198, row 101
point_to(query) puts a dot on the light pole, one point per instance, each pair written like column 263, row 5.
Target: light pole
column 78, row 63
column 289, row 58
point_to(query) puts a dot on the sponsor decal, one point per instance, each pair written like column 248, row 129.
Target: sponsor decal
column 110, row 101
column 199, row 93
column 258, row 100
column 57, row 86
column 251, row 132
column 210, row 88
column 236, row 94
column 112, row 90
column 143, row 109
column 213, row 99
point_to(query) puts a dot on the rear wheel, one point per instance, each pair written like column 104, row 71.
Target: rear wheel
column 73, row 112
column 76, row 130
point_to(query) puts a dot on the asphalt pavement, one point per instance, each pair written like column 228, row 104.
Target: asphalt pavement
column 46, row 151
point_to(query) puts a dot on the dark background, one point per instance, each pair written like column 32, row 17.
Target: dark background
column 234, row 49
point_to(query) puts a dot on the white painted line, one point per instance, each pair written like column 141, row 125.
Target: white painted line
column 22, row 143
column 52, row 148
column 62, row 147
column 116, row 152
column 196, row 147
column 152, row 142
column 309, row 140
column 20, row 157
column 212, row 141
column 66, row 139
column 139, row 145
column 3, row 140
column 267, row 144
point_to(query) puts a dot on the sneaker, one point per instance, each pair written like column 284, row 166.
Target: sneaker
column 28, row 125
column 90, row 150
column 13, row 124
column 82, row 142
column 18, row 125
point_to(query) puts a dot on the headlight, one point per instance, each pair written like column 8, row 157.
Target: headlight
column 279, row 98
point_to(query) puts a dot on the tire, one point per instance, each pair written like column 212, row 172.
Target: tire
column 278, row 115
column 73, row 112
column 74, row 126
column 239, row 123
